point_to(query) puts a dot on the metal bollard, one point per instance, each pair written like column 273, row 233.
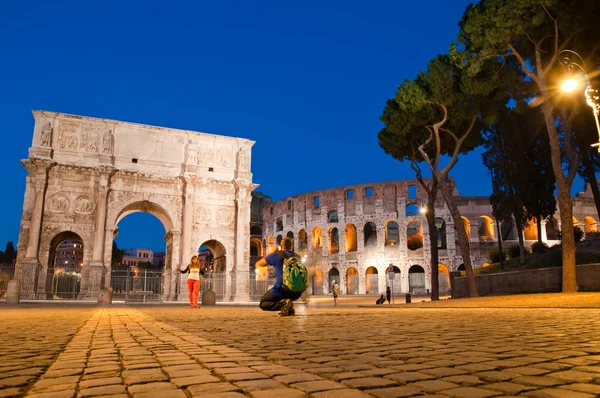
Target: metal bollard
column 407, row 298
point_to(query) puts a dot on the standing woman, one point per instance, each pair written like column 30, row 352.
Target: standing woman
column 193, row 280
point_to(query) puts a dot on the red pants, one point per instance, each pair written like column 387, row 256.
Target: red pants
column 193, row 288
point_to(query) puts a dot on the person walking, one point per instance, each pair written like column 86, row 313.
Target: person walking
column 279, row 298
column 335, row 289
column 193, row 280
column 388, row 294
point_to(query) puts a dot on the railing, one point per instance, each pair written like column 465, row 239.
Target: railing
column 7, row 272
column 137, row 286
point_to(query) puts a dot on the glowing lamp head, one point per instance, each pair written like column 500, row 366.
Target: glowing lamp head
column 423, row 210
column 569, row 85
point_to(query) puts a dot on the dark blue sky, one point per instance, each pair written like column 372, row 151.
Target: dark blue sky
column 309, row 77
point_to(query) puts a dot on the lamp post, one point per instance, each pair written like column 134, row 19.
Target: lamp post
column 591, row 95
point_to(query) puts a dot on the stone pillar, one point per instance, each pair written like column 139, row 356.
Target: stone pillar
column 37, row 170
column 186, row 223
column 544, row 233
column 99, row 271
column 173, row 239
column 240, row 279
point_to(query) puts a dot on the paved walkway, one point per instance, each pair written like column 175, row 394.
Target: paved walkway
column 425, row 349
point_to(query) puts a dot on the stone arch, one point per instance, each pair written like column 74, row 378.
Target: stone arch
column 508, row 229
column 333, row 275
column 485, row 228
column 302, row 239
column 443, row 279
column 414, row 234
column 333, row 240
column 467, row 224
column 371, row 280
column 255, row 247
column 440, row 227
column 461, row 267
column 157, row 210
column 63, row 281
column 218, row 270
column 392, row 233
column 352, row 281
column 278, row 240
column 317, row 236
column 290, row 235
column 416, row 280
column 530, row 230
column 255, row 230
column 412, row 210
column 317, row 281
column 279, row 225
column 332, row 217
column 552, row 229
column 370, row 234
column 270, row 245
column 350, row 238
column 589, row 224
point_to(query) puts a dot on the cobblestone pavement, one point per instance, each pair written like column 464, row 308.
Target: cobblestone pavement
column 228, row 351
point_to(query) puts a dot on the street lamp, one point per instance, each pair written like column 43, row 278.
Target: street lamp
column 591, row 95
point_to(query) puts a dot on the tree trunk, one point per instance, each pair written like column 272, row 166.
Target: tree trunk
column 433, row 242
column 463, row 239
column 539, row 231
column 499, row 229
column 521, row 246
column 565, row 204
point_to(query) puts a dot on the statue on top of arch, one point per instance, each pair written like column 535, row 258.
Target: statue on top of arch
column 46, row 137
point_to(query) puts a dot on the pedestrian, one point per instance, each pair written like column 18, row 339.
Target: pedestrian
column 193, row 280
column 335, row 289
column 380, row 300
column 388, row 294
column 280, row 297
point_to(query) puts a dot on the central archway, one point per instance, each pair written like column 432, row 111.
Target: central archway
column 215, row 276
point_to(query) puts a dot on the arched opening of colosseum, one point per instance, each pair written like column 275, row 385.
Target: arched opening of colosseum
column 255, row 247
column 370, row 235
column 333, row 240
column 508, row 229
column 467, row 224
column 485, row 228
column 65, row 266
column 279, row 225
column 334, row 275
column 395, row 284
column 317, row 238
column 350, row 238
column 302, row 240
column 440, row 227
column 256, row 230
column 217, row 276
column 371, row 281
column 392, row 233
column 416, row 280
column 590, row 225
column 316, row 283
column 270, row 245
column 443, row 279
column 278, row 241
column 412, row 210
column 351, row 281
column 460, row 267
column 290, row 235
column 530, row 231
column 552, row 229
column 332, row 217
column 414, row 235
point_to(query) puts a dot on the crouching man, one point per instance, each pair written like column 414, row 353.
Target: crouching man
column 280, row 297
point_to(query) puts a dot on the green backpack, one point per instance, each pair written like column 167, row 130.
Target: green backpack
column 295, row 275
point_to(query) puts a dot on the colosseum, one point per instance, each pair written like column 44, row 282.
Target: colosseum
column 357, row 234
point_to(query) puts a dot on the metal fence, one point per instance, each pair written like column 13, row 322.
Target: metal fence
column 137, row 285
column 63, row 285
column 7, row 272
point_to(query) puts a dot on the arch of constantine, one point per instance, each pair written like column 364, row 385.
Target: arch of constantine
column 86, row 174
column 357, row 234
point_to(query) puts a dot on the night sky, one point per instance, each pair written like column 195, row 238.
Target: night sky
column 305, row 80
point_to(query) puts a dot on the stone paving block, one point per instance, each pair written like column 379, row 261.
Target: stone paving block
column 320, row 385
column 162, row 394
column 60, row 394
column 103, row 390
column 470, row 392
column 443, row 372
column 63, row 372
column 43, row 383
column 297, row 378
column 56, row 387
column 406, row 377
column 583, row 387
column 539, row 381
column 393, row 392
column 143, row 376
column 148, row 387
column 255, row 385
column 10, row 392
column 412, row 367
column 237, row 369
column 341, row 394
column 508, row 387
column 188, row 373
column 143, row 365
column 225, row 395
column 211, row 388
column 465, row 380
column 188, row 381
column 573, row 375
column 528, row 371
column 369, row 382
column 15, row 381
column 245, row 376
column 497, row 375
column 558, row 393
column 101, row 375
column 434, row 385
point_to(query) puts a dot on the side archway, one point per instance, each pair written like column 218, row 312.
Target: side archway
column 352, row 281
column 350, row 235
column 371, row 281
column 416, row 280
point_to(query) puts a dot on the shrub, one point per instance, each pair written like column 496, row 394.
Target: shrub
column 539, row 248
column 592, row 235
column 514, row 251
column 493, row 255
column 579, row 234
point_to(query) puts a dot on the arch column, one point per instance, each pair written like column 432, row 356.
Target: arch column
column 37, row 170
column 172, row 256
column 240, row 274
